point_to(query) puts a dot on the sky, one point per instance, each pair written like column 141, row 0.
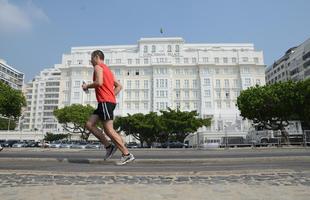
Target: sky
column 35, row 33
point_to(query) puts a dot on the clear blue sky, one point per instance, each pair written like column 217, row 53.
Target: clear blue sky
column 34, row 34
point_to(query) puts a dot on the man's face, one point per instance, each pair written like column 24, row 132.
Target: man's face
column 94, row 61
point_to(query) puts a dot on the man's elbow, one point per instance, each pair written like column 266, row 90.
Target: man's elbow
column 99, row 83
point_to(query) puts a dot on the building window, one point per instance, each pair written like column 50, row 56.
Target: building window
column 107, row 61
column 77, row 83
column 195, row 84
column 186, row 94
column 169, row 48
column 186, row 83
column 146, row 84
column 178, row 94
column 128, row 84
column 137, row 83
column 245, row 59
column 177, row 48
column 208, row 104
column 145, row 105
column 145, row 50
column 185, row 60
column 146, row 61
column 247, row 82
column 187, row 105
column 137, row 61
column 137, row 94
column 177, row 60
column 177, row 83
column 118, row 61
column 207, row 93
column 69, row 62
column 225, row 60
column 128, row 94
column 219, row 105
column 256, row 60
column 194, row 60
column 129, row 61
column 218, row 94
column 205, row 59
column 218, row 83
column 236, row 83
column 146, row 95
column 233, row 60
column 76, row 95
column 257, row 81
column 226, row 83
column 207, row 82
column 153, row 48
column 216, row 60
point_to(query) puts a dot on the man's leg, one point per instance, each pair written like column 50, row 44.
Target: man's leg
column 115, row 137
column 91, row 126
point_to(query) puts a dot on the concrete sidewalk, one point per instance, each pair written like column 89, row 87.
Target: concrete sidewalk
column 157, row 192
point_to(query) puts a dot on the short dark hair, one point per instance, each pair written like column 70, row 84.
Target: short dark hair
column 97, row 53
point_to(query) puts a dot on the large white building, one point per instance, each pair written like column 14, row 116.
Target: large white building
column 11, row 76
column 293, row 65
column 167, row 72
column 156, row 73
column 42, row 96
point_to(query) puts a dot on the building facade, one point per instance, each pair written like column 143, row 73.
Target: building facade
column 11, row 76
column 157, row 73
column 294, row 65
column 42, row 96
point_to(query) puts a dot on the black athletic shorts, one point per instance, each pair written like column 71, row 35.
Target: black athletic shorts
column 105, row 110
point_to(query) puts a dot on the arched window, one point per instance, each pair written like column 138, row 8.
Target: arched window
column 169, row 48
column 177, row 48
column 145, row 49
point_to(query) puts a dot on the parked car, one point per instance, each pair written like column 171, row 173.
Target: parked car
column 55, row 144
column 173, row 145
column 79, row 145
column 32, row 144
column 93, row 145
column 66, row 144
column 9, row 143
column 44, row 144
column 19, row 145
column 132, row 145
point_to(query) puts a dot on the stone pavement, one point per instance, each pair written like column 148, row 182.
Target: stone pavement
column 248, row 186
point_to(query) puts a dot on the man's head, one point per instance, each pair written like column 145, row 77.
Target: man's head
column 97, row 57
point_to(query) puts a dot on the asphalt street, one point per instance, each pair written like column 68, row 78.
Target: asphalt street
column 169, row 161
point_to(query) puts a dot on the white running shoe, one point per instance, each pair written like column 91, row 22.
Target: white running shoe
column 126, row 159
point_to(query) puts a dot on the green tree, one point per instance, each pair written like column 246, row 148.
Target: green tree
column 11, row 101
column 270, row 106
column 179, row 124
column 5, row 122
column 144, row 127
column 54, row 137
column 74, row 117
column 303, row 102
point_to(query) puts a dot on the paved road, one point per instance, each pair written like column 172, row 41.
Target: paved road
column 275, row 174
column 170, row 161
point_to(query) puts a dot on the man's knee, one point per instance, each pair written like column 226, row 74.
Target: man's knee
column 89, row 125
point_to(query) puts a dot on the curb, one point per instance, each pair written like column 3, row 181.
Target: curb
column 161, row 161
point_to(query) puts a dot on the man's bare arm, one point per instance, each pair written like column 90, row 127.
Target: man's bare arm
column 117, row 87
column 98, row 78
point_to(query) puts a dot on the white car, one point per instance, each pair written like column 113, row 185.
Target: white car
column 1, row 148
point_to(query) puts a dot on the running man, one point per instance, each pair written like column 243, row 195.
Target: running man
column 106, row 88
